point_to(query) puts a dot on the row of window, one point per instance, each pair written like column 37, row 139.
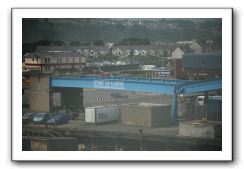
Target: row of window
column 60, row 60
column 33, row 59
column 47, row 60
column 48, row 67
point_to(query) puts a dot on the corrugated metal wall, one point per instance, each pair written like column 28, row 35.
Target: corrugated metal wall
column 209, row 61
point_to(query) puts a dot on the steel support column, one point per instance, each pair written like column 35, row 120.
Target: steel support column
column 174, row 112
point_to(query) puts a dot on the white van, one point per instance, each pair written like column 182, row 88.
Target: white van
column 200, row 100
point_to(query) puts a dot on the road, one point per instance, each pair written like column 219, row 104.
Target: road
column 94, row 97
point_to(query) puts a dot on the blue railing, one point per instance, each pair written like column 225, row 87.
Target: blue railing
column 131, row 79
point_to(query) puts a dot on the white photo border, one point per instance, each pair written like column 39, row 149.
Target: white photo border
column 224, row 155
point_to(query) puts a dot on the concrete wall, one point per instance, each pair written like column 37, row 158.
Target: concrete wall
column 39, row 82
column 39, row 93
column 201, row 129
column 39, row 101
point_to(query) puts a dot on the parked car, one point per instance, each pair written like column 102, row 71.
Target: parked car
column 41, row 118
column 27, row 117
column 58, row 119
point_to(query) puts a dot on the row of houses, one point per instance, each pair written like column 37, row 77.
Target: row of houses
column 118, row 50
column 49, row 58
column 166, row 49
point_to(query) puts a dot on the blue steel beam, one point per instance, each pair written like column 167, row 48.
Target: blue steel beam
column 119, row 83
column 131, row 79
column 201, row 86
column 126, row 85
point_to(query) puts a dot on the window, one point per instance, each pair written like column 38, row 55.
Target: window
column 57, row 60
column 80, row 60
column 45, row 60
column 33, row 59
column 202, row 60
column 73, row 60
column 67, row 60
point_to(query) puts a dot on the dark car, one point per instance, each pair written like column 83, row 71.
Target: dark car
column 27, row 117
column 58, row 119
column 41, row 118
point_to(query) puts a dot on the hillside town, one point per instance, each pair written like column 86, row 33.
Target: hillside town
column 77, row 59
column 131, row 94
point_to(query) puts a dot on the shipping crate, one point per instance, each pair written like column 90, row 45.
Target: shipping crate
column 146, row 114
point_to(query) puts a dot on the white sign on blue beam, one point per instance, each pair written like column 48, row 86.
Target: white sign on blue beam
column 109, row 84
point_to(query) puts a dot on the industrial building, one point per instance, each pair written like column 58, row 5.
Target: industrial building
column 199, row 66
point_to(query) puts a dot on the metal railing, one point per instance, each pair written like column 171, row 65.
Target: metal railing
column 130, row 79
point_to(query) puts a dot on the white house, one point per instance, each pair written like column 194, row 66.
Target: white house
column 177, row 53
column 136, row 52
column 143, row 52
column 195, row 47
column 117, row 52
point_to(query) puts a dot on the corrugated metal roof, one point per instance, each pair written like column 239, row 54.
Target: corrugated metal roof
column 212, row 61
column 31, row 55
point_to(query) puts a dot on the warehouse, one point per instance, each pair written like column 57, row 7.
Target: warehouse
column 199, row 66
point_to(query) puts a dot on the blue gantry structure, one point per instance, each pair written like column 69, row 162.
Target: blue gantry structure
column 161, row 86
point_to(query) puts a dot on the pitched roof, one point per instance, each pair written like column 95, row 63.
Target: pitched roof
column 135, row 47
column 52, row 54
column 52, row 49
